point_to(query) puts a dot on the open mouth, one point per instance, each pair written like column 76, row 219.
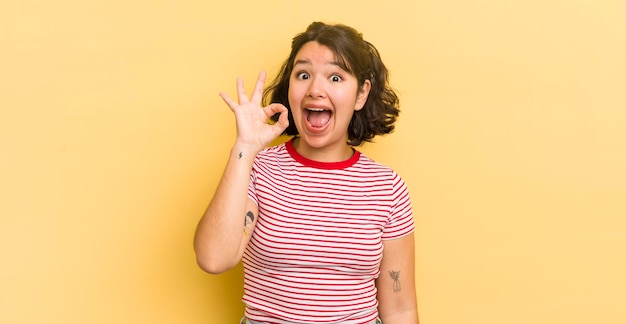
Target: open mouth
column 317, row 117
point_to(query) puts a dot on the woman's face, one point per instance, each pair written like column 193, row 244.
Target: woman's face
column 323, row 97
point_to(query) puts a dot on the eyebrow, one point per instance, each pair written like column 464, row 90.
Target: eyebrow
column 307, row 62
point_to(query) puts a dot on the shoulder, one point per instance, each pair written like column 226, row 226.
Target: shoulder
column 272, row 159
column 367, row 164
column 273, row 152
column 368, row 167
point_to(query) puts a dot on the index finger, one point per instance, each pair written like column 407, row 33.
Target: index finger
column 230, row 102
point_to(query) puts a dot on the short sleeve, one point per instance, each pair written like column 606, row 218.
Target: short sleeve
column 400, row 222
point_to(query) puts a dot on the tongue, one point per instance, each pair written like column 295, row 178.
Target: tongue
column 318, row 118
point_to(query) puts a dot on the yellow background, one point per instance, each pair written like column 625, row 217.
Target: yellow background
column 512, row 140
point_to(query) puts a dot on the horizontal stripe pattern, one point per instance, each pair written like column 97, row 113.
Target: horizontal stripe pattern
column 317, row 245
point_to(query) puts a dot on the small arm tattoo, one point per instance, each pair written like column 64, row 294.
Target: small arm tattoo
column 248, row 222
column 240, row 155
column 395, row 275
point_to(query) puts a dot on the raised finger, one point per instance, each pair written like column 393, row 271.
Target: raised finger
column 241, row 92
column 257, row 95
column 230, row 102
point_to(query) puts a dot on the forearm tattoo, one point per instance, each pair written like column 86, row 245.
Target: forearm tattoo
column 247, row 224
column 395, row 275
column 240, row 155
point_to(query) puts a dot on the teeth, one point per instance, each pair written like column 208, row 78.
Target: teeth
column 315, row 109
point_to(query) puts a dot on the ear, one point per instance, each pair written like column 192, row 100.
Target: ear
column 361, row 97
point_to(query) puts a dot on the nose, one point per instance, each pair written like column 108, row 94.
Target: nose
column 316, row 88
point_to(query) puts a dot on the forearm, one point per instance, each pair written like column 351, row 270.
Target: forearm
column 220, row 231
column 220, row 239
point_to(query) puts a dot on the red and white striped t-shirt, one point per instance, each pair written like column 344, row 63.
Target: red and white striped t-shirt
column 317, row 245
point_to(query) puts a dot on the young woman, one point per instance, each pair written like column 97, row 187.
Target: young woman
column 324, row 232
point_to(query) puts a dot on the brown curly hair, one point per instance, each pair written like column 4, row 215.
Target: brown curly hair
column 356, row 56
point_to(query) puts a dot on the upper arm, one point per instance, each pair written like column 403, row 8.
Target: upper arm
column 396, row 282
column 248, row 224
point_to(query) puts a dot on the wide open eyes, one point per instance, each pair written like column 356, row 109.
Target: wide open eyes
column 335, row 78
column 306, row 76
column 303, row 76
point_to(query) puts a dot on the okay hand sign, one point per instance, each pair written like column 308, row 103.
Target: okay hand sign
column 253, row 128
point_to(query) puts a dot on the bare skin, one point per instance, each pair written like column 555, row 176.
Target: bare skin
column 220, row 238
column 229, row 221
column 396, row 283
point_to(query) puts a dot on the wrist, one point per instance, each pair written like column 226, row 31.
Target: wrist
column 243, row 151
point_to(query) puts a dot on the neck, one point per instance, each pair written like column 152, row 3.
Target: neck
column 335, row 153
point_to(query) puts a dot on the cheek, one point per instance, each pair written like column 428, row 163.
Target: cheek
column 346, row 92
column 294, row 95
column 346, row 98
column 294, row 103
